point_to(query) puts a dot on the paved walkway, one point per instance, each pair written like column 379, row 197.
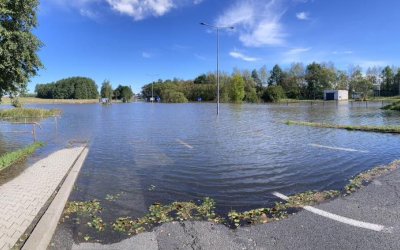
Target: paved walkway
column 22, row 198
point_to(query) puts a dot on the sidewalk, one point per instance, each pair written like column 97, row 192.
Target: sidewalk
column 23, row 198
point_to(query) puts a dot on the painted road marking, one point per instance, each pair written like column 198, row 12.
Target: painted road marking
column 337, row 148
column 335, row 217
column 184, row 144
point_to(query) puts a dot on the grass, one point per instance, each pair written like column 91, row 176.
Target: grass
column 394, row 106
column 17, row 113
column 35, row 100
column 11, row 158
column 377, row 129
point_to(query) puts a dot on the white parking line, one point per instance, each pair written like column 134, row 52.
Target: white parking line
column 184, row 144
column 337, row 148
column 335, row 217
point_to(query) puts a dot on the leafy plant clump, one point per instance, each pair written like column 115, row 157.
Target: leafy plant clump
column 378, row 129
column 17, row 113
column 280, row 210
column 176, row 211
column 11, row 158
column 366, row 177
column 83, row 207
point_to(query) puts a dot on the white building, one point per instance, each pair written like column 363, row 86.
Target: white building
column 339, row 95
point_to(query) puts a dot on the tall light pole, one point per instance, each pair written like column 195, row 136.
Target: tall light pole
column 152, row 88
column 218, row 28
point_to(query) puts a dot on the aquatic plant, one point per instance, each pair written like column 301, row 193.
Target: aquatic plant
column 83, row 207
column 97, row 223
column 378, row 129
column 11, row 158
column 176, row 211
column 18, row 113
column 366, row 177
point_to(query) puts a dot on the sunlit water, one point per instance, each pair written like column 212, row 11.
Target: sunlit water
column 180, row 152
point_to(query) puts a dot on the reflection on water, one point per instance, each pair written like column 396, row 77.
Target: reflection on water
column 185, row 152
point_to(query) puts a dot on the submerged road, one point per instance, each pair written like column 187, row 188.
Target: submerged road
column 377, row 204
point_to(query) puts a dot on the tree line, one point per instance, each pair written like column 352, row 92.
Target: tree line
column 296, row 82
column 69, row 88
column 123, row 93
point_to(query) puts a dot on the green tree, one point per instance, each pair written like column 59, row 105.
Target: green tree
column 236, row 91
column 387, row 85
column 106, row 90
column 319, row 77
column 276, row 77
column 273, row 93
column 18, row 46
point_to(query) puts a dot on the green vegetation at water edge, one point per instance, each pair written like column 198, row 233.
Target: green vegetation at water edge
column 17, row 113
column 298, row 82
column 193, row 211
column 366, row 177
column 69, row 88
column 394, row 106
column 377, row 129
column 11, row 158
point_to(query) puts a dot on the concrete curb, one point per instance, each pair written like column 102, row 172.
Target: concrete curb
column 43, row 232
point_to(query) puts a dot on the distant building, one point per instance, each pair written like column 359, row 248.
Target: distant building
column 338, row 95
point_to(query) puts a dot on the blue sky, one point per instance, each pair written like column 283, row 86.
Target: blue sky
column 132, row 42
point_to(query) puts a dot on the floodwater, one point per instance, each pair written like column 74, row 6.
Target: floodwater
column 151, row 153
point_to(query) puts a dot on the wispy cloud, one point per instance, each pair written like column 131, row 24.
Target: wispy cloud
column 146, row 55
column 137, row 9
column 345, row 52
column 303, row 16
column 200, row 57
column 243, row 57
column 371, row 63
column 257, row 22
column 297, row 51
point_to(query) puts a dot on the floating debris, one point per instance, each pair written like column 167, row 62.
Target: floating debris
column 83, row 207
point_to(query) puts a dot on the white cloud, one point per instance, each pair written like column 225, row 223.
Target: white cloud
column 371, row 63
column 200, row 57
column 345, row 52
column 138, row 9
column 141, row 9
column 243, row 57
column 257, row 22
column 297, row 51
column 303, row 16
column 146, row 55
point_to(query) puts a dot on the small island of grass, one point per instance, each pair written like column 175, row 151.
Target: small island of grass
column 377, row 129
column 18, row 113
column 394, row 106
column 11, row 158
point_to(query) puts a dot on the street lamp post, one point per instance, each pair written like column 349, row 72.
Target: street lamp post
column 218, row 28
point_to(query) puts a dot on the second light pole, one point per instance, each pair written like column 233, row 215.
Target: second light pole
column 218, row 28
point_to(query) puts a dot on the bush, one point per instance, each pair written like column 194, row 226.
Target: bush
column 172, row 96
column 273, row 94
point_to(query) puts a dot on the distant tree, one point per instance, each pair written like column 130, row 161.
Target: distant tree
column 201, row 79
column 106, row 90
column 123, row 93
column 276, row 76
column 263, row 74
column 397, row 83
column 319, row 77
column 69, row 88
column 273, row 93
column 387, row 86
column 236, row 91
column 18, row 45
column 342, row 81
column 360, row 84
